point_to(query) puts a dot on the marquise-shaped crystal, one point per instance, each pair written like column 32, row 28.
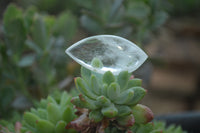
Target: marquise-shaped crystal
column 116, row 53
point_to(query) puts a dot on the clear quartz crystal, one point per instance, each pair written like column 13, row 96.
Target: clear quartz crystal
column 116, row 53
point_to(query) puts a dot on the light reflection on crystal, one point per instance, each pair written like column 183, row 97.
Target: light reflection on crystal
column 116, row 53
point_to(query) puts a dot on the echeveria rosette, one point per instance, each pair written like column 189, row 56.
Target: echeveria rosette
column 51, row 116
column 111, row 98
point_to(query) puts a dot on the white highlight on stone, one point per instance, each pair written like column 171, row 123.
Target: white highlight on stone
column 116, row 53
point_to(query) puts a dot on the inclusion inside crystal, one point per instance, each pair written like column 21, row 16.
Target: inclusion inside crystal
column 116, row 54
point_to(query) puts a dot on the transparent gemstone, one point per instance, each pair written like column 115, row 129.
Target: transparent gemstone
column 116, row 54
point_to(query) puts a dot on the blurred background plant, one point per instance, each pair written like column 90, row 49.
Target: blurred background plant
column 32, row 55
column 35, row 33
column 33, row 62
column 130, row 19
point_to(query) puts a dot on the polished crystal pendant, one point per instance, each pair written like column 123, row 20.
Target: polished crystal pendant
column 115, row 53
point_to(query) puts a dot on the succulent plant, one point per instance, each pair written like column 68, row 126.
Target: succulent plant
column 151, row 127
column 108, row 100
column 97, row 109
column 51, row 116
column 161, row 126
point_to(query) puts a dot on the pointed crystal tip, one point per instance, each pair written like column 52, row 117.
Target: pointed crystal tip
column 114, row 53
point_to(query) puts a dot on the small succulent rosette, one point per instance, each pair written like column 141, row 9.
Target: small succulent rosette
column 109, row 94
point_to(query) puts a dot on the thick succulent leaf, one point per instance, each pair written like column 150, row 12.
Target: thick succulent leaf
column 123, row 79
column 82, row 103
column 138, row 10
column 44, row 126
column 123, row 110
column 68, row 114
column 113, row 91
column 142, row 114
column 12, row 12
column 43, row 104
column 65, row 100
column 30, row 119
column 33, row 46
column 175, row 129
column 162, row 127
column 139, row 93
column 14, row 29
column 27, row 60
column 104, row 89
column 50, row 99
column 39, row 32
column 53, row 113
column 103, row 101
column 65, row 25
column 77, row 102
column 99, row 76
column 95, row 85
column 34, row 111
column 96, row 115
column 134, row 83
column 109, row 111
column 85, row 73
column 125, row 97
column 97, row 63
column 51, row 118
column 28, row 17
column 146, row 128
column 82, row 86
column 108, row 78
column 126, row 121
column 42, row 113
column 88, row 103
column 60, row 127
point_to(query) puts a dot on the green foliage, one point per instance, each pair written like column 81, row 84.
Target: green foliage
column 155, row 127
column 52, row 6
column 51, row 116
column 54, row 114
column 133, row 19
column 31, row 45
column 138, row 112
column 31, row 58
column 109, row 96
column 6, row 127
column 31, row 64
column 110, row 104
column 130, row 19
